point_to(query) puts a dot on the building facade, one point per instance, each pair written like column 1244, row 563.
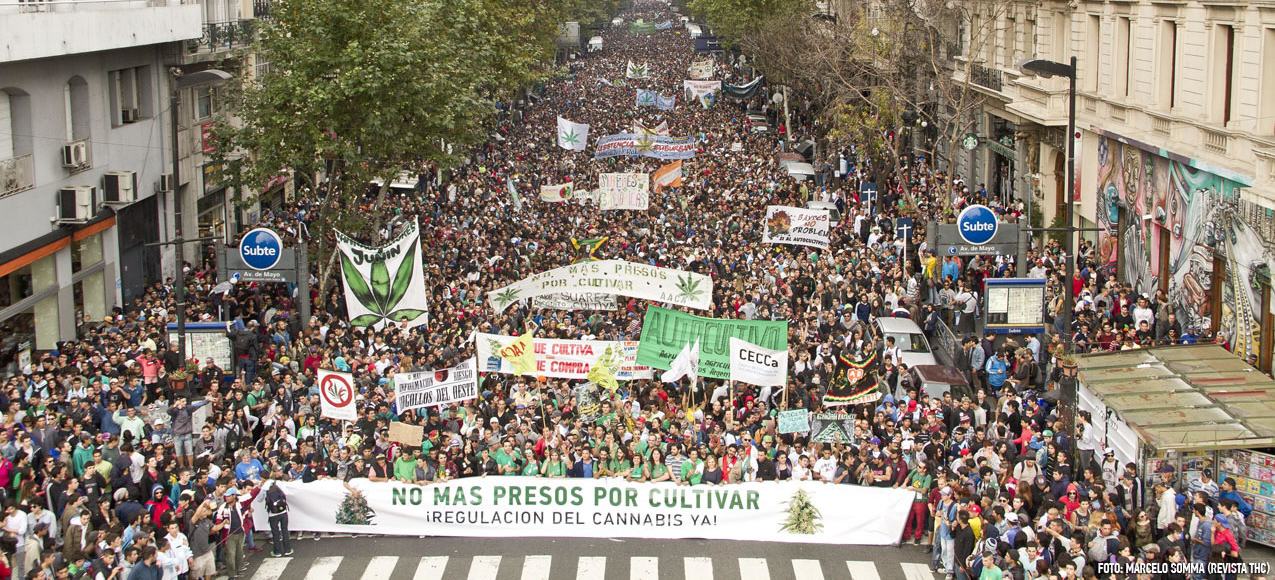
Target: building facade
column 1176, row 150
column 86, row 154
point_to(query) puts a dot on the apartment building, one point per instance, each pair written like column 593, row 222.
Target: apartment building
column 1176, row 142
column 86, row 151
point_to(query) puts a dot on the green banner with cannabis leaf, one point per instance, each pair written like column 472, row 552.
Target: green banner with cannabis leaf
column 616, row 277
column 384, row 285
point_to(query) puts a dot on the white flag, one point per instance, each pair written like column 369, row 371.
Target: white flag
column 757, row 365
column 336, row 395
column 572, row 136
column 686, row 364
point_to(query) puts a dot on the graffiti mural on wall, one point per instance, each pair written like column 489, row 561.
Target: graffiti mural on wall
column 1199, row 212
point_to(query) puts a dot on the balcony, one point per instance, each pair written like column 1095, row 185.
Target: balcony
column 222, row 36
column 261, row 9
column 17, row 174
column 987, row 77
column 45, row 29
column 1215, row 141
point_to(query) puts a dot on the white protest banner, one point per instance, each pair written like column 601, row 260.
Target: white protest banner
column 637, row 71
column 558, row 193
column 436, row 388
column 519, row 506
column 696, row 89
column 797, row 226
column 624, row 190
column 565, row 359
column 386, row 284
column 576, row 301
column 572, row 136
column 336, row 395
column 700, row 70
column 616, row 277
column 757, row 365
column 794, row 421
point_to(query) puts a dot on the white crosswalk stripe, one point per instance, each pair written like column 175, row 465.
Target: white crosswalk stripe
column 591, row 568
column 484, row 568
column 323, row 568
column 753, row 569
column 644, row 568
column 536, row 567
column 699, row 568
column 807, row 569
column 539, row 567
column 862, row 570
column 380, row 568
column 431, row 568
column 271, row 569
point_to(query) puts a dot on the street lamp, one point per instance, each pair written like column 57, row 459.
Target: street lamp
column 1046, row 69
column 178, row 82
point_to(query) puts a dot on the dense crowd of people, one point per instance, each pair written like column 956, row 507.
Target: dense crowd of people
column 119, row 460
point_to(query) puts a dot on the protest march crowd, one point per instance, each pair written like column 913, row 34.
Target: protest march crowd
column 112, row 469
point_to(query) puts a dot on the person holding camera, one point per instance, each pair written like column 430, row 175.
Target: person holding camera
column 277, row 508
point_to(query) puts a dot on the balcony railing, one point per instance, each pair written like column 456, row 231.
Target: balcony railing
column 16, row 174
column 1216, row 141
column 220, row 36
column 987, row 77
column 261, row 9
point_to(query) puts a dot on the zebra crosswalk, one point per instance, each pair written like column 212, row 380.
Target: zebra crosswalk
column 544, row 567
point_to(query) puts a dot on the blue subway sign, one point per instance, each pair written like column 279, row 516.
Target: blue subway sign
column 977, row 225
column 261, row 249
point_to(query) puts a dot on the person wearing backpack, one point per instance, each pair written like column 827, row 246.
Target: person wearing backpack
column 277, row 508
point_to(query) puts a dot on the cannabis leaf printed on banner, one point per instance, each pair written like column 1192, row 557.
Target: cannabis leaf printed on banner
column 385, row 293
column 803, row 516
column 569, row 137
column 646, row 98
column 688, row 288
column 506, row 297
column 644, row 143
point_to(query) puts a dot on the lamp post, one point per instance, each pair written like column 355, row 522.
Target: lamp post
column 179, row 82
column 1047, row 69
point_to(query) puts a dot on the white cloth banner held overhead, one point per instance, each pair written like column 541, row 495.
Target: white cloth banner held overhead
column 558, row 193
column 696, row 89
column 336, row 395
column 757, row 365
column 386, row 284
column 797, row 226
column 572, row 136
column 686, row 363
column 564, row 359
column 576, row 301
column 616, row 277
column 518, row 506
column 435, row 388
column 624, row 191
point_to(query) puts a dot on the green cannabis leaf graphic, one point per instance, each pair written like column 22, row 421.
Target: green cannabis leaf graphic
column 569, row 137
column 385, row 293
column 506, row 297
column 688, row 288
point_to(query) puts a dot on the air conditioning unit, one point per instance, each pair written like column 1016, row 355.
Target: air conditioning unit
column 119, row 187
column 128, row 115
column 77, row 204
column 166, row 182
column 75, row 154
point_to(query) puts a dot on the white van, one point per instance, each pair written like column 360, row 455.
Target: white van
column 910, row 340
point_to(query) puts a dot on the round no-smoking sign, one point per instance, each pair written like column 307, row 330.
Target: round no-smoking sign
column 336, row 391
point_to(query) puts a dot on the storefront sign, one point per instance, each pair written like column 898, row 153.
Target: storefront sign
column 516, row 506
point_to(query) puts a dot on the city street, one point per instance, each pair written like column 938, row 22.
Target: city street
column 539, row 558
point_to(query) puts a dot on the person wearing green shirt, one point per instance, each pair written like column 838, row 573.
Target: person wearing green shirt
column 405, row 467
column 990, row 571
column 639, row 471
column 82, row 455
column 659, row 471
column 532, row 467
column 507, row 458
column 553, row 467
column 619, row 465
column 692, row 469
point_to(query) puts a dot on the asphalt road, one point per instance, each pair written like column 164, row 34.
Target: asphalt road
column 386, row 558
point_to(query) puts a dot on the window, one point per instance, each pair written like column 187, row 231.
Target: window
column 1029, row 37
column 1266, row 121
column 204, row 102
column 1123, row 45
column 130, row 93
column 1223, row 73
column 76, row 101
column 1062, row 37
column 1093, row 39
column 6, row 125
column 16, row 138
column 1167, row 65
column 1011, row 40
